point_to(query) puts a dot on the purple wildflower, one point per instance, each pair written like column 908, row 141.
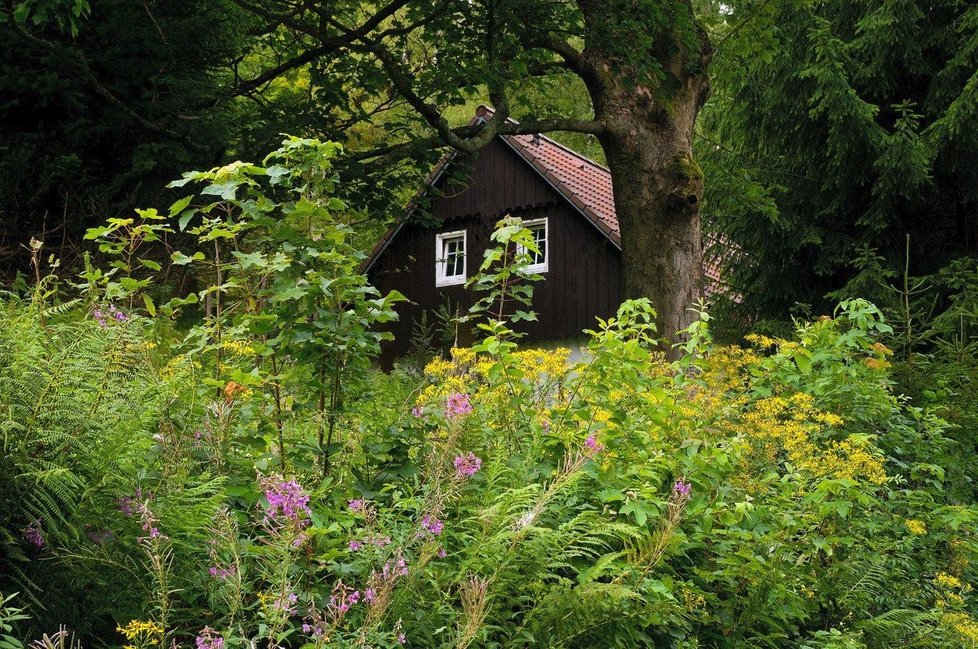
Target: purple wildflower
column 149, row 521
column 432, row 525
column 417, row 411
column 592, row 446
column 467, row 465
column 441, row 553
column 457, row 405
column 286, row 604
column 287, row 500
column 398, row 569
column 682, row 489
column 221, row 573
column 341, row 601
column 126, row 502
column 32, row 533
column 401, row 638
column 209, row 639
column 355, row 545
column 357, row 506
column 380, row 541
column 369, row 595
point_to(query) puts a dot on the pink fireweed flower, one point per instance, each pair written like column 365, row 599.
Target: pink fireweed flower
column 398, row 569
column 149, row 522
column 357, row 505
column 432, row 525
column 222, row 573
column 117, row 315
column 369, row 595
column 285, row 604
column 682, row 489
column 592, row 446
column 209, row 639
column 342, row 599
column 355, row 545
column 417, row 411
column 126, row 502
column 287, row 501
column 457, row 405
column 467, row 465
column 441, row 553
column 33, row 535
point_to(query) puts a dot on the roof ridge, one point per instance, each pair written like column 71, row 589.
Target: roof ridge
column 566, row 148
column 483, row 109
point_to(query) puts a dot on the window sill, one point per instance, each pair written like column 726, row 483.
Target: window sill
column 449, row 281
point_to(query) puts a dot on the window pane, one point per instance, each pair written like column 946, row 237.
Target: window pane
column 540, row 238
column 453, row 252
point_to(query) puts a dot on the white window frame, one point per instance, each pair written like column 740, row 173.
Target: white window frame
column 543, row 266
column 440, row 266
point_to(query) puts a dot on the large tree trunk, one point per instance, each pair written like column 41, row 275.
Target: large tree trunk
column 648, row 111
column 658, row 190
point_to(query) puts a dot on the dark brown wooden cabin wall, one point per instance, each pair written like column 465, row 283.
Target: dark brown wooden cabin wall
column 582, row 281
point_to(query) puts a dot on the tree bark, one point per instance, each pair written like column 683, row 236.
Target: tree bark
column 658, row 189
column 648, row 123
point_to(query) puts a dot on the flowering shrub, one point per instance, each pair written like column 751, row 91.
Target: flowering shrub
column 189, row 490
column 734, row 496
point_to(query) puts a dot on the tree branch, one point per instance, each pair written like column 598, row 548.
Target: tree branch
column 403, row 149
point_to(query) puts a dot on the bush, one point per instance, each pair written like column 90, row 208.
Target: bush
column 176, row 487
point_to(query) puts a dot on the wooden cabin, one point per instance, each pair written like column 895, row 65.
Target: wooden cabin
column 563, row 197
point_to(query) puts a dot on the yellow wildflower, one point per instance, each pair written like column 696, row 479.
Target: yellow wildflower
column 142, row 634
column 945, row 580
column 964, row 624
column 238, row 347
column 915, row 526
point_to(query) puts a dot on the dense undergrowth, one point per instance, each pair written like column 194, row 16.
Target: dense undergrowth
column 245, row 480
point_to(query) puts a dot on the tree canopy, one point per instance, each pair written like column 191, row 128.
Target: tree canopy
column 851, row 126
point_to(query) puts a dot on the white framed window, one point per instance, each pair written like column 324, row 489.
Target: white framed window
column 539, row 259
column 450, row 258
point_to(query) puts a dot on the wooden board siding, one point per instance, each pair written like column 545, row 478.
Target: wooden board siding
column 582, row 281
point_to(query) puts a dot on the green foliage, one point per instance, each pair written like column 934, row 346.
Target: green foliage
column 835, row 126
column 103, row 104
column 503, row 278
column 243, row 473
column 8, row 615
column 777, row 497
